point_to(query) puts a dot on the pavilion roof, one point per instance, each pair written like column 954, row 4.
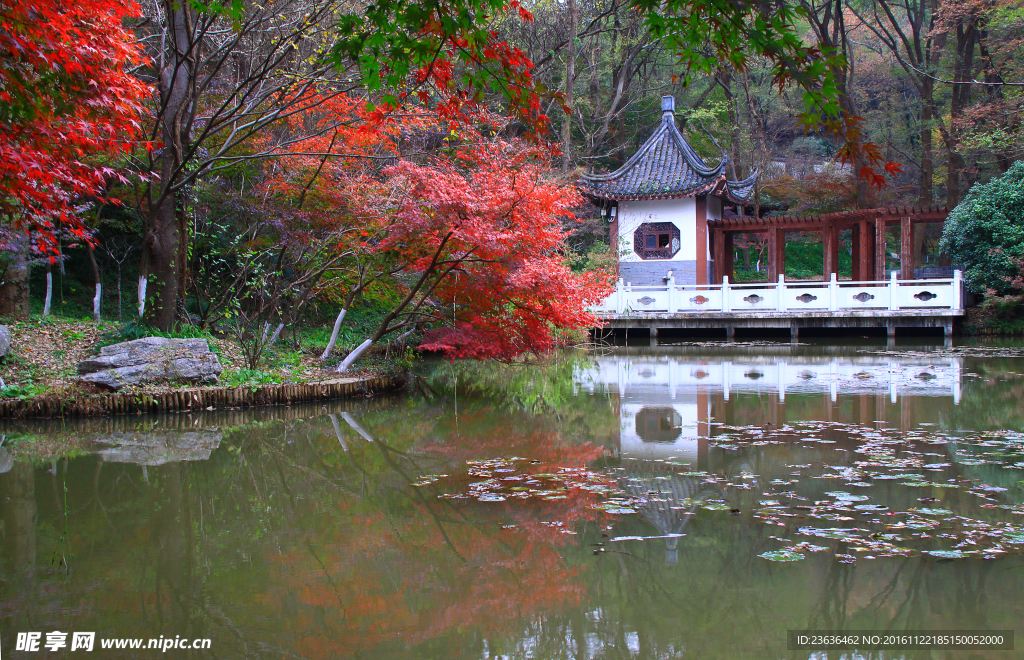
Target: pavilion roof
column 667, row 167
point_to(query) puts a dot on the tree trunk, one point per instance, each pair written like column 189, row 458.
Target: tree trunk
column 725, row 81
column 355, row 354
column 927, row 197
column 570, row 78
column 99, row 284
column 334, row 333
column 49, row 289
column 162, row 245
column 14, row 298
column 966, row 39
column 161, row 288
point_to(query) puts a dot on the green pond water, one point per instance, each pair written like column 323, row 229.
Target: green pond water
column 678, row 501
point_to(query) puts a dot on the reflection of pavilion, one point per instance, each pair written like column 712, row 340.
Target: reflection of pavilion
column 666, row 401
column 669, row 500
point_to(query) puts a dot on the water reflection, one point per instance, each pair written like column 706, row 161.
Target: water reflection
column 608, row 507
column 667, row 403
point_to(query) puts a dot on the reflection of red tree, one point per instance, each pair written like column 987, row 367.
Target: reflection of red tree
column 545, row 447
column 450, row 564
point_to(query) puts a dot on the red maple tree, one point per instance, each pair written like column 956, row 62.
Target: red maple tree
column 481, row 233
column 66, row 101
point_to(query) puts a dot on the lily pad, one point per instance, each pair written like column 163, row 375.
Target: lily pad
column 946, row 554
column 782, row 555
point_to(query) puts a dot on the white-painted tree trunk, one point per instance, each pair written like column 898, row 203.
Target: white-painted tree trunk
column 277, row 333
column 354, row 355
column 337, row 431
column 96, row 303
column 49, row 293
column 142, row 294
column 334, row 334
column 355, row 425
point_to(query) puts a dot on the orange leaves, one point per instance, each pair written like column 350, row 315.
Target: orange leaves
column 490, row 219
column 855, row 150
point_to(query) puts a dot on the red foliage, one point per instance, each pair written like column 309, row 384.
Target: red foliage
column 434, row 565
column 65, row 98
column 490, row 225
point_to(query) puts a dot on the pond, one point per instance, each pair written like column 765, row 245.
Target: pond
column 678, row 501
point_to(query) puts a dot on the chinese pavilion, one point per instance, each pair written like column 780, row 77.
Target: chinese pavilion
column 659, row 204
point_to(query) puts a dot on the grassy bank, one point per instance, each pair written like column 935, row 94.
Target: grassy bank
column 1002, row 316
column 45, row 352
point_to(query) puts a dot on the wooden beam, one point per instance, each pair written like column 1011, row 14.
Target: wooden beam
column 906, row 249
column 879, row 249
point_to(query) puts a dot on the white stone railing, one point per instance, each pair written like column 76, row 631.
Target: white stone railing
column 788, row 297
column 666, row 378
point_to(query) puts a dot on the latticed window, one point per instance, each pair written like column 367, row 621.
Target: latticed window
column 656, row 240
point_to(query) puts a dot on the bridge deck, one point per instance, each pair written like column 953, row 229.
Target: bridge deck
column 932, row 303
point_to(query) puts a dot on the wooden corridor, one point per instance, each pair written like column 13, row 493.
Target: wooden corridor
column 868, row 226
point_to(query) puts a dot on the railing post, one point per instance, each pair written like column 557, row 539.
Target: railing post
column 780, row 293
column 894, row 288
column 670, row 281
column 620, row 298
column 958, row 290
column 726, row 304
column 833, row 293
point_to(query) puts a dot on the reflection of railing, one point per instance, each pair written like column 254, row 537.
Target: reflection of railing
column 863, row 375
column 832, row 296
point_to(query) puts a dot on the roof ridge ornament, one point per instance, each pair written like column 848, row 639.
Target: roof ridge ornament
column 668, row 107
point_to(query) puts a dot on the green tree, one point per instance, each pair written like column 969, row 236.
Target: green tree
column 985, row 233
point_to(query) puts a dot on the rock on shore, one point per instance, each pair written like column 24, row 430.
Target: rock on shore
column 151, row 359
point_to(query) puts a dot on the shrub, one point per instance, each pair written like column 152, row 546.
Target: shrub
column 985, row 233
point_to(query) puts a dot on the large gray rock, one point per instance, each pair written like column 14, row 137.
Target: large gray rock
column 160, row 448
column 5, row 341
column 149, row 360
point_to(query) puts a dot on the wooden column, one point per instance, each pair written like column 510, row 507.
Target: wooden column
column 880, row 249
column 613, row 236
column 702, row 239
column 776, row 253
column 830, row 251
column 855, row 251
column 867, row 252
column 906, row 249
column 719, row 247
column 703, row 429
column 727, row 266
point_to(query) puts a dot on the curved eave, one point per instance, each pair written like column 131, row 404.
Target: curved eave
column 739, row 192
column 667, row 194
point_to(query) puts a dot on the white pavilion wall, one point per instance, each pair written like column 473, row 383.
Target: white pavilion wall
column 646, row 272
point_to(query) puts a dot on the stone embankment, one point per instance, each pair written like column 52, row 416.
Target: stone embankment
column 199, row 398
